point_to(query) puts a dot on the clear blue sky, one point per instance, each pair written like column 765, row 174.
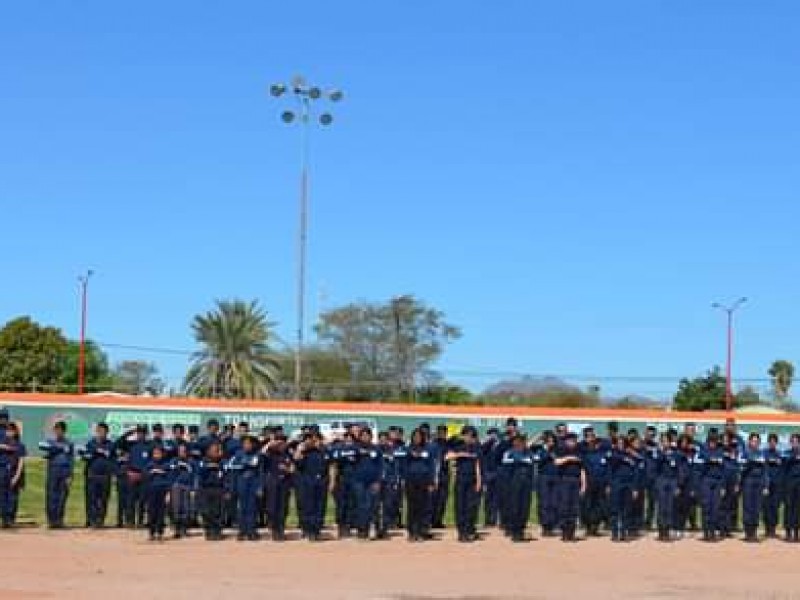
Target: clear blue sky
column 572, row 182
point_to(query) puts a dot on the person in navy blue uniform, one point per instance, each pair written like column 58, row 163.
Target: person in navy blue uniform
column 419, row 475
column 157, row 473
column 12, row 458
column 211, row 483
column 571, row 486
column 772, row 503
column 441, row 446
column 670, row 469
column 279, row 471
column 519, row 464
column 60, row 454
column 466, row 455
column 755, row 485
column 546, row 482
column 490, row 463
column 791, row 489
column 138, row 456
column 312, row 463
column 728, row 508
column 650, row 452
column 100, row 468
column 595, row 459
column 623, row 474
column 231, row 444
column 637, row 450
column 512, row 428
column 183, row 474
column 711, row 459
column 367, row 480
column 344, row 454
column 247, row 464
column 391, row 485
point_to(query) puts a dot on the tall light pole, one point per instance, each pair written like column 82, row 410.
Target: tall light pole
column 84, row 281
column 305, row 96
column 729, row 310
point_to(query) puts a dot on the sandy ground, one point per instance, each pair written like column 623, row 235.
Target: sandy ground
column 116, row 564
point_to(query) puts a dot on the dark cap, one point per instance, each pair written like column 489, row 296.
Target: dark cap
column 511, row 422
column 212, row 423
column 492, row 431
column 194, row 429
column 441, row 428
column 158, row 428
column 141, row 428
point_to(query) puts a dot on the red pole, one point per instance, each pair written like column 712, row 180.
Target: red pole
column 728, row 369
column 82, row 352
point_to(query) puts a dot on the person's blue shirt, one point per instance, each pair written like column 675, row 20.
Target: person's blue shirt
column 670, row 464
column 369, row 465
column 60, row 454
column 183, row 471
column 712, row 462
column 754, row 466
column 247, row 464
column 623, row 467
column 139, row 455
column 313, row 463
column 595, row 460
column 99, row 455
column 520, row 465
column 420, row 465
column 210, row 474
column 774, row 460
column 466, row 465
column 159, row 476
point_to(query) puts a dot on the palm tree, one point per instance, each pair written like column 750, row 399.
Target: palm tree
column 782, row 373
column 235, row 360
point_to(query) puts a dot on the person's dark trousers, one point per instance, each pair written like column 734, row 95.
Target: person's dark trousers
column 121, row 480
column 247, row 497
column 366, row 504
column 548, row 508
column 490, row 508
column 277, row 495
column 710, row 497
column 137, row 497
column 417, row 503
column 503, row 486
column 467, row 502
column 651, row 509
column 637, row 510
column 98, row 489
column 519, row 506
column 752, row 495
column 343, row 496
column 728, row 508
column 621, row 505
column 180, row 500
column 87, row 501
column 568, row 498
column 156, row 510
column 6, row 506
column 666, row 490
column 231, row 505
column 313, row 490
column 389, row 506
column 211, row 500
column 791, row 518
column 772, row 504
column 440, row 497
column 592, row 504
column 56, row 496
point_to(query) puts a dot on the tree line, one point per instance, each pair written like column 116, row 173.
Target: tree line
column 363, row 351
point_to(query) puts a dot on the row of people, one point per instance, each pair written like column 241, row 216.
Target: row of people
column 624, row 483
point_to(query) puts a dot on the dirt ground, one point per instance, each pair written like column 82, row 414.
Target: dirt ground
column 118, row 564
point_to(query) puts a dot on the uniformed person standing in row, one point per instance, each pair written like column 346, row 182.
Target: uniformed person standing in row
column 420, row 473
column 60, row 455
column 571, row 486
column 518, row 462
column 468, row 483
column 100, row 467
column 791, row 489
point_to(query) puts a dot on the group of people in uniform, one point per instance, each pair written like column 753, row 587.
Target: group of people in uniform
column 625, row 483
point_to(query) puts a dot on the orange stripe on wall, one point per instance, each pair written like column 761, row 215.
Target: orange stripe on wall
column 137, row 402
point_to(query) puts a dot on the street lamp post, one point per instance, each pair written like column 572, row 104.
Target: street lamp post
column 729, row 310
column 305, row 96
column 84, row 282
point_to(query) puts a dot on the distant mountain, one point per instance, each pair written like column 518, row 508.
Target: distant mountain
column 529, row 386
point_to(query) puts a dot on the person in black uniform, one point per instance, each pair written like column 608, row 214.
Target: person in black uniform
column 419, row 475
column 571, row 486
column 468, row 484
column 519, row 464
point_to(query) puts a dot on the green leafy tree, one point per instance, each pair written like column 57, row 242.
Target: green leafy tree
column 235, row 359
column 97, row 375
column 392, row 341
column 138, row 377
column 782, row 374
column 701, row 393
column 31, row 355
column 327, row 375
